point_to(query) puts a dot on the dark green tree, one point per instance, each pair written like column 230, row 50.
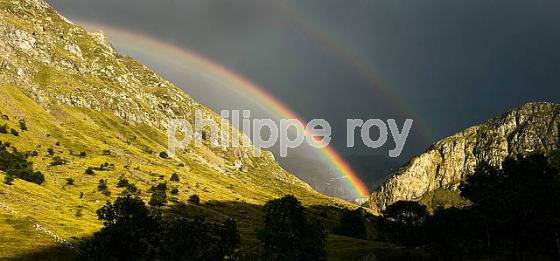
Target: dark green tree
column 132, row 231
column 404, row 222
column 352, row 224
column 287, row 233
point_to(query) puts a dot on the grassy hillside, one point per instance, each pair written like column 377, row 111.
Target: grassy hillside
column 74, row 104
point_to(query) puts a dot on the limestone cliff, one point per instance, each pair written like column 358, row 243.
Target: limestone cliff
column 533, row 127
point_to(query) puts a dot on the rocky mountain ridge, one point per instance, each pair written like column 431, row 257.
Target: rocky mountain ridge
column 530, row 128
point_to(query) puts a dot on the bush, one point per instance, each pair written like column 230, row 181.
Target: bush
column 82, row 154
column 174, row 177
column 16, row 165
column 163, row 155
column 195, row 199
column 132, row 231
column 22, row 125
column 70, row 181
column 123, row 182
column 102, row 185
column 158, row 199
column 106, row 152
column 90, row 171
column 159, row 187
column 131, row 188
column 174, row 191
column 57, row 161
column 9, row 180
column 14, row 132
column 50, row 151
column 105, row 167
column 4, row 128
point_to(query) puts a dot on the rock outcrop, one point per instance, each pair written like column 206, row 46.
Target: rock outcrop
column 533, row 127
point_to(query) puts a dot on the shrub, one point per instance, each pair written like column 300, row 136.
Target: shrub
column 8, row 179
column 163, row 155
column 102, row 185
column 174, row 177
column 158, row 199
column 105, row 167
column 195, row 199
column 174, row 191
column 131, row 188
column 22, row 125
column 14, row 132
column 90, row 171
column 57, row 161
column 106, row 152
column 50, row 151
column 70, row 181
column 4, row 128
column 123, row 182
column 82, row 154
column 15, row 164
column 159, row 187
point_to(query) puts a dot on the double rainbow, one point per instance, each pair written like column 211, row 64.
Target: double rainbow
column 240, row 84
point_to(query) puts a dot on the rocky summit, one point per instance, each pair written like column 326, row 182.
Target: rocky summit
column 533, row 127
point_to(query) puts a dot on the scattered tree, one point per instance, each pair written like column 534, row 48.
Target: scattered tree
column 123, row 182
column 14, row 132
column 163, row 155
column 352, row 224
column 90, row 171
column 57, row 161
column 16, row 164
column 132, row 231
column 70, row 181
column 174, row 191
column 8, row 179
column 404, row 221
column 159, row 195
column 4, row 128
column 174, row 177
column 194, row 199
column 288, row 235
column 22, row 125
column 102, row 186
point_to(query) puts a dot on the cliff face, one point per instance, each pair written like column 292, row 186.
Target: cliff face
column 533, row 127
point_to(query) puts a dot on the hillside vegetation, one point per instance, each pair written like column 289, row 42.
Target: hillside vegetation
column 94, row 123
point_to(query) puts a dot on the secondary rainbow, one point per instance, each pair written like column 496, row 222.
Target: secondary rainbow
column 236, row 81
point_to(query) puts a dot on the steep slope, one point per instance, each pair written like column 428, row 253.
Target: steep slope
column 533, row 127
column 84, row 105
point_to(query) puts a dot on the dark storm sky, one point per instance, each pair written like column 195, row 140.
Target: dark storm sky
column 450, row 64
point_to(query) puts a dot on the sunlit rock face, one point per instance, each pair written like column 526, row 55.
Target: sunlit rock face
column 533, row 127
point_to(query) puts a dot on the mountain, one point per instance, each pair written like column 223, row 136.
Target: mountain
column 533, row 127
column 373, row 169
column 86, row 113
